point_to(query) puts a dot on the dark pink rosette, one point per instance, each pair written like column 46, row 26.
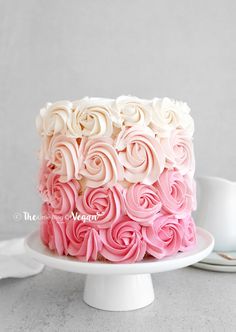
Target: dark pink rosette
column 61, row 196
column 102, row 205
column 123, row 241
column 84, row 240
column 164, row 237
column 189, row 238
column 53, row 230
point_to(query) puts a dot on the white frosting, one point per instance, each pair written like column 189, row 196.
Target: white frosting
column 169, row 114
column 93, row 117
column 134, row 111
column 54, row 118
column 102, row 117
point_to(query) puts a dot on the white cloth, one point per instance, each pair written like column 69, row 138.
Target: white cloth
column 15, row 262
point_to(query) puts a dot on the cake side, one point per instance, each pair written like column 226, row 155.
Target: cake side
column 116, row 178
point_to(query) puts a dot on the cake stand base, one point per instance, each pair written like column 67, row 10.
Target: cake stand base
column 119, row 287
column 118, row 292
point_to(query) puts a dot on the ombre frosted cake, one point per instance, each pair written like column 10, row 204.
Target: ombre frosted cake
column 116, row 178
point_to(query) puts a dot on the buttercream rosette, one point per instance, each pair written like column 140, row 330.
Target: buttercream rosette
column 116, row 178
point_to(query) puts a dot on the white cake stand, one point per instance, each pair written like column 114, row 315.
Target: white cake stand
column 119, row 287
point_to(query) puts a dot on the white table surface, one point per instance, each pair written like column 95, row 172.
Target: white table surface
column 186, row 300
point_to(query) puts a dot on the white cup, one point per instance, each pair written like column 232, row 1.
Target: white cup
column 216, row 210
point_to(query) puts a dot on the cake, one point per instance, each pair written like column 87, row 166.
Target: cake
column 116, row 178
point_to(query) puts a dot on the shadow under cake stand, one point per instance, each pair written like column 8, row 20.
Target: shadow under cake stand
column 119, row 287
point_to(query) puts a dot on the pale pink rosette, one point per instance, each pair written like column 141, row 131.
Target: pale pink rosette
column 178, row 148
column 141, row 155
column 142, row 203
column 63, row 154
column 53, row 230
column 62, row 196
column 107, row 204
column 164, row 237
column 84, row 240
column 101, row 166
column 176, row 193
column 44, row 152
column 123, row 241
column 189, row 237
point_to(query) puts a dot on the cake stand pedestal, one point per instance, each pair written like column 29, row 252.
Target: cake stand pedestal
column 119, row 292
column 119, row 287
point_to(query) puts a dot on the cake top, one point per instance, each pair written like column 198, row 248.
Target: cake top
column 99, row 117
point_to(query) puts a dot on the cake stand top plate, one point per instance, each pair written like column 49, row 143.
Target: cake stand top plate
column 41, row 253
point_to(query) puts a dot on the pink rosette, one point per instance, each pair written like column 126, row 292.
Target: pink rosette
column 176, row 193
column 123, row 242
column 53, row 230
column 63, row 154
column 107, row 204
column 142, row 203
column 62, row 196
column 178, row 148
column 141, row 155
column 164, row 237
column 192, row 185
column 44, row 172
column 189, row 238
column 101, row 166
column 84, row 240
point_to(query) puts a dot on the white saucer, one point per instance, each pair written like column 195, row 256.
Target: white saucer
column 119, row 287
column 216, row 259
column 214, row 267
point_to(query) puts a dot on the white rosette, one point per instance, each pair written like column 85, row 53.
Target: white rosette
column 168, row 115
column 133, row 111
column 54, row 118
column 93, row 117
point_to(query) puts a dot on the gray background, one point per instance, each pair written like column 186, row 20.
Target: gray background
column 66, row 49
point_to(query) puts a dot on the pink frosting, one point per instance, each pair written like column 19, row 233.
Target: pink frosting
column 84, row 240
column 141, row 154
column 53, row 231
column 142, row 203
column 105, row 203
column 44, row 172
column 189, row 237
column 101, row 166
column 63, row 154
column 179, row 151
column 123, row 242
column 62, row 196
column 192, row 185
column 175, row 193
column 164, row 237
